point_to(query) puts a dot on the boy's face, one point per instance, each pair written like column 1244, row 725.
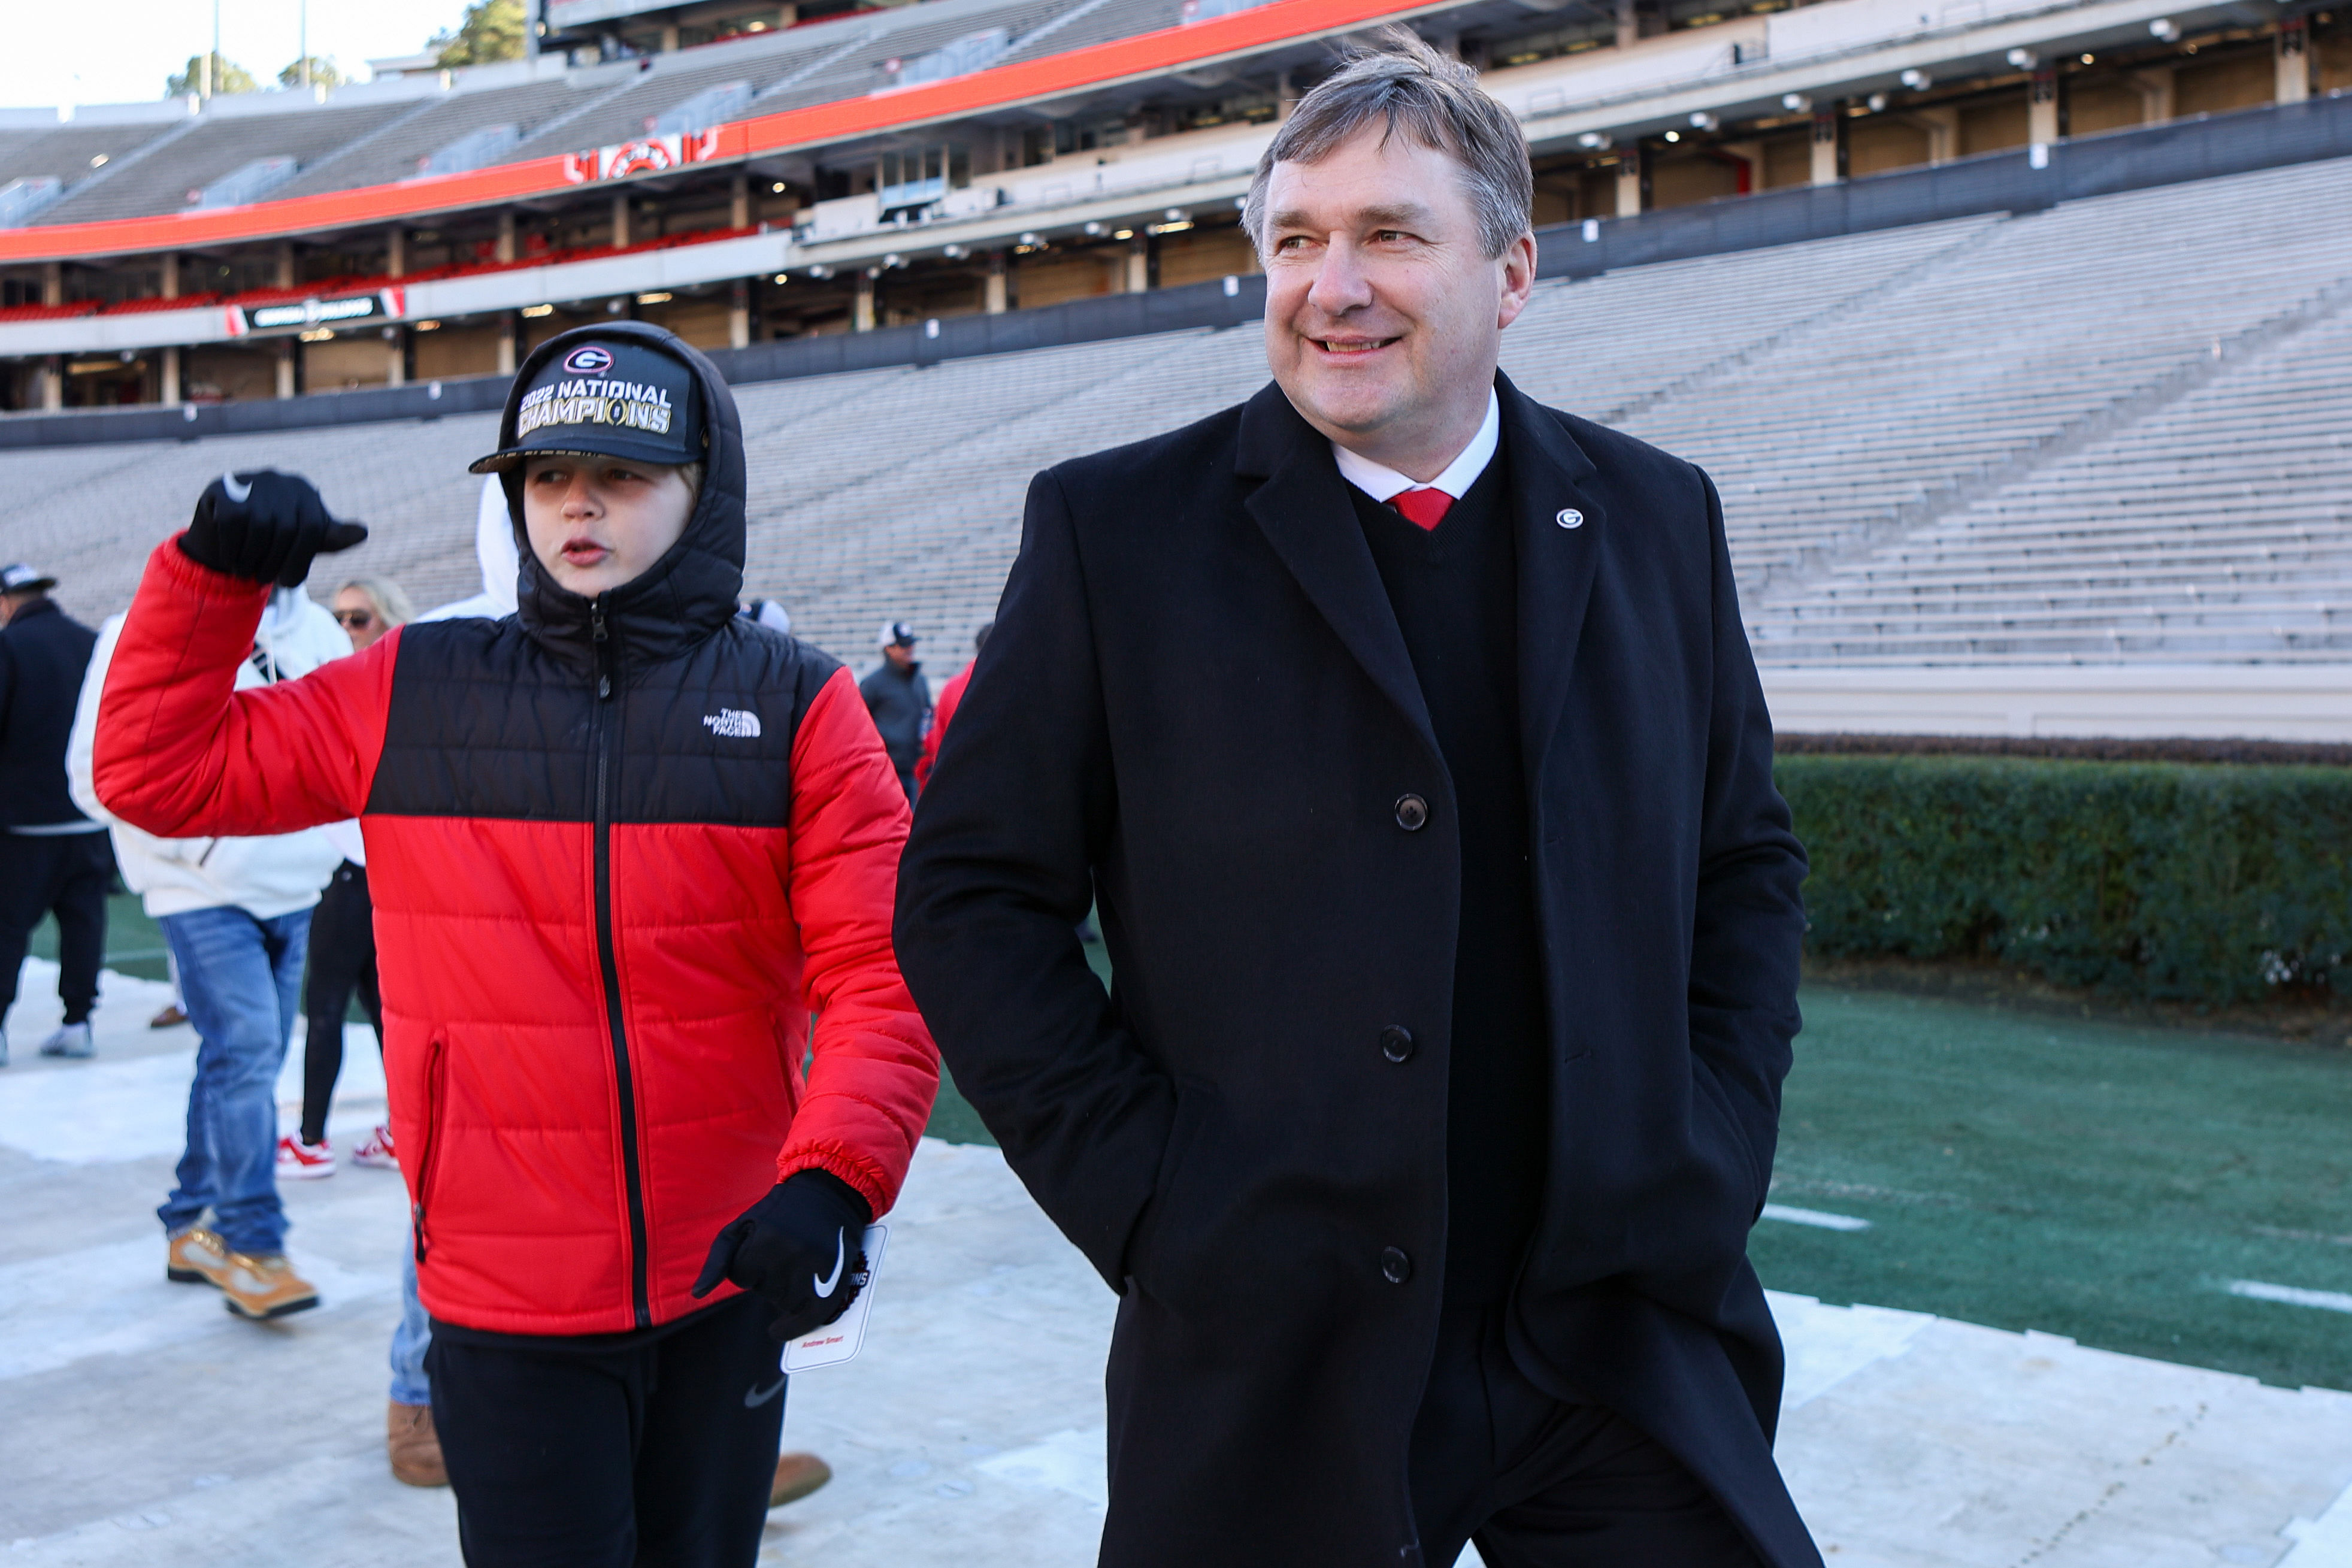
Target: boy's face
column 598, row 523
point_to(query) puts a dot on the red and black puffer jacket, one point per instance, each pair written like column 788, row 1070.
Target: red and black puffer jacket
column 620, row 850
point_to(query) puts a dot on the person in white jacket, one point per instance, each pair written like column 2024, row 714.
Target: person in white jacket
column 236, row 913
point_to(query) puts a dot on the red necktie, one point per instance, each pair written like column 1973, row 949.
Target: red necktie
column 1424, row 509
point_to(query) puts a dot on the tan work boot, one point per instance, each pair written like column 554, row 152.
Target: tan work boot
column 263, row 1285
column 413, row 1446
column 797, row 1474
column 195, row 1257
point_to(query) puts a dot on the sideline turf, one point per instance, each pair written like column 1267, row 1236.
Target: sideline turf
column 2099, row 1181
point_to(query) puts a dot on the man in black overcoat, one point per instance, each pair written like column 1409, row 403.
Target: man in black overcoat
column 1405, row 732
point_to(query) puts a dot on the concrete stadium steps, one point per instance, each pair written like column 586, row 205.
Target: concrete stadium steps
column 2218, row 525
column 214, row 147
column 1993, row 441
column 64, row 154
column 93, row 520
column 2058, row 319
column 394, row 150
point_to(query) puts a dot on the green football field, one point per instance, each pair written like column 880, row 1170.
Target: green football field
column 2026, row 1170
column 2100, row 1181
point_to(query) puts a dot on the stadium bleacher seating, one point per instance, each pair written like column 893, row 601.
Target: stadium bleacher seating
column 212, row 147
column 2073, row 435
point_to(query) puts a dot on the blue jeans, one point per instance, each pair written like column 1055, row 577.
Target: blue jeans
column 412, row 1338
column 241, row 977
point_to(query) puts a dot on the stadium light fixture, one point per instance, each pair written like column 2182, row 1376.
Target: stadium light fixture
column 428, row 326
column 954, row 252
column 819, row 271
column 1031, row 240
column 893, row 259
column 1918, row 80
column 1241, row 203
column 1124, row 234
column 778, row 188
column 1595, row 140
column 1094, row 228
column 1673, row 135
column 2088, row 58
column 1703, row 120
column 783, row 277
column 539, row 309
column 2023, row 60
column 1876, row 102
column 1795, row 102
column 2164, row 29
column 1175, row 214
column 658, row 297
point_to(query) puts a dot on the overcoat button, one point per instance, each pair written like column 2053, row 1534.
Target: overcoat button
column 1412, row 812
column 1396, row 1043
column 1395, row 1266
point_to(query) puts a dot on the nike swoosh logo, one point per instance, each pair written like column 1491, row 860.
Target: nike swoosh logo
column 753, row 1398
column 840, row 1254
column 237, row 489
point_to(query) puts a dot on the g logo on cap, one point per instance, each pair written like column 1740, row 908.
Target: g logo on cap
column 588, row 360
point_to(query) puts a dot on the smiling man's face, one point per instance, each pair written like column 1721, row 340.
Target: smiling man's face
column 1384, row 312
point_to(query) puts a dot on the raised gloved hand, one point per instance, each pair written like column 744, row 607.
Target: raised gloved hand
column 265, row 526
column 801, row 1249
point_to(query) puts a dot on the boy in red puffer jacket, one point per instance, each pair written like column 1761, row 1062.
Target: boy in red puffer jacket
column 621, row 843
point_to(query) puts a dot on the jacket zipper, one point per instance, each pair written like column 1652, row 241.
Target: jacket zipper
column 639, row 1298
column 430, row 1155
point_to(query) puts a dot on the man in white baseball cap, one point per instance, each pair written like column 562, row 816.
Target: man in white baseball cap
column 900, row 701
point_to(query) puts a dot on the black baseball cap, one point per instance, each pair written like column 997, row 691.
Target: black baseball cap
column 20, row 578
column 607, row 398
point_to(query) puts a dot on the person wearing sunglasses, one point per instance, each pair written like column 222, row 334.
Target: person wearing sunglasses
column 367, row 607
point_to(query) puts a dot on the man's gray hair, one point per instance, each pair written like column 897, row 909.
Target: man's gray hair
column 1404, row 85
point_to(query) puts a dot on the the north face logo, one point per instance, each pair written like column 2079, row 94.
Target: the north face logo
column 733, row 723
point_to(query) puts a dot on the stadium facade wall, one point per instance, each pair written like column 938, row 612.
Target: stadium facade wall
column 2019, row 181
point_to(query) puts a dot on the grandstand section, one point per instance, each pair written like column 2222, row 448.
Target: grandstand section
column 806, row 172
column 2018, row 441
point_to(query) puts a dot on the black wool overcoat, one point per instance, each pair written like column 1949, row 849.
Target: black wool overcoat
column 1197, row 708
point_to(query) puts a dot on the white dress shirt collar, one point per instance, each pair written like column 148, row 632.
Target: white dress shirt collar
column 1381, row 482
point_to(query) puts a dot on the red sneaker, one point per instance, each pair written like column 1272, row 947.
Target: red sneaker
column 301, row 1161
column 377, row 1152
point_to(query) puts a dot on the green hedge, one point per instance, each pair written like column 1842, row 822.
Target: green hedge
column 2214, row 884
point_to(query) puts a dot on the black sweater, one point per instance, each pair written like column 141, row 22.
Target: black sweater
column 1454, row 590
column 43, row 654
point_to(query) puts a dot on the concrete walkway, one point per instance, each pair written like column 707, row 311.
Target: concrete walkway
column 139, row 1424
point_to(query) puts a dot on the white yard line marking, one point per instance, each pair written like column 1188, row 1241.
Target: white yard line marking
column 1818, row 1219
column 2293, row 1296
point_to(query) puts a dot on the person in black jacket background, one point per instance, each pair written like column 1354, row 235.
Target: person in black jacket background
column 52, row 857
column 899, row 699
column 1406, row 732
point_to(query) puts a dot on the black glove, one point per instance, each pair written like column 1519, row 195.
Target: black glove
column 801, row 1249
column 265, row 526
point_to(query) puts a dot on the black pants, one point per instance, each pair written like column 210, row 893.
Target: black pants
column 342, row 960
column 658, row 1456
column 69, row 873
column 1542, row 1484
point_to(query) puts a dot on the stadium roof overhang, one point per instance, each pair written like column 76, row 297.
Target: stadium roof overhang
column 1283, row 25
